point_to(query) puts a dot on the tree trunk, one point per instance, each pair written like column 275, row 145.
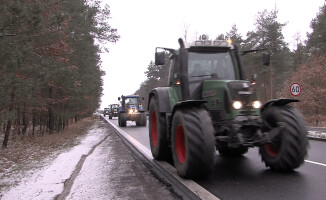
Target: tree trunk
column 7, row 132
column 50, row 110
column 271, row 80
column 317, row 118
column 34, row 123
column 25, row 121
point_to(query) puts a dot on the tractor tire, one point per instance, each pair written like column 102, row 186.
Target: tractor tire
column 138, row 121
column 158, row 133
column 122, row 120
column 193, row 142
column 224, row 150
column 287, row 150
column 143, row 119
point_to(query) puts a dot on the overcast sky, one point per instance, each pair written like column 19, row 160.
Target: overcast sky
column 146, row 24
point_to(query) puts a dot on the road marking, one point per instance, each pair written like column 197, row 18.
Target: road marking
column 316, row 163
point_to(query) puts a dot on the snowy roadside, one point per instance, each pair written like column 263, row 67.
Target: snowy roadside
column 101, row 166
column 48, row 182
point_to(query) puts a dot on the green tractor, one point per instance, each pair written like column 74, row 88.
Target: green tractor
column 209, row 106
column 131, row 109
column 114, row 110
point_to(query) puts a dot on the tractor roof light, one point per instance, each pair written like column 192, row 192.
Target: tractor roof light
column 237, row 105
column 199, row 43
column 212, row 43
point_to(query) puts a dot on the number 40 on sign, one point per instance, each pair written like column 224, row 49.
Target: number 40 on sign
column 295, row 89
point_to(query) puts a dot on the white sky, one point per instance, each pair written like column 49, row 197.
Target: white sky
column 146, row 24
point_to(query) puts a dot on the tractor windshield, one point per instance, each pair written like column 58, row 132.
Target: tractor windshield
column 210, row 65
column 132, row 101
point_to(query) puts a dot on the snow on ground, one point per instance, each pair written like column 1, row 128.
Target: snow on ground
column 48, row 182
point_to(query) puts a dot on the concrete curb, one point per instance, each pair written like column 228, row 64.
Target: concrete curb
column 190, row 188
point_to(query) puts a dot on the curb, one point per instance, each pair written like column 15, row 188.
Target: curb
column 185, row 188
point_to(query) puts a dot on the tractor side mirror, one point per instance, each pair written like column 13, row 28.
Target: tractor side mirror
column 266, row 58
column 159, row 58
column 254, row 78
column 118, row 98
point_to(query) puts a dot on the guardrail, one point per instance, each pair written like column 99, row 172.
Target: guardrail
column 317, row 133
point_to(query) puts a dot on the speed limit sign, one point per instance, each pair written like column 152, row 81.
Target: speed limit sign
column 295, row 89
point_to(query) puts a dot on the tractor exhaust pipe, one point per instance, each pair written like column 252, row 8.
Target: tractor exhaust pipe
column 183, row 71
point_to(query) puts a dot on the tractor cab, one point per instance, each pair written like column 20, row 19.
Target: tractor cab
column 211, row 71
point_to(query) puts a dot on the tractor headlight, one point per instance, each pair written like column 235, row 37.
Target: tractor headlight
column 130, row 111
column 135, row 110
column 256, row 104
column 237, row 105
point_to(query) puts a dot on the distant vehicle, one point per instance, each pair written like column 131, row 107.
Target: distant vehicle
column 114, row 110
column 131, row 109
column 106, row 111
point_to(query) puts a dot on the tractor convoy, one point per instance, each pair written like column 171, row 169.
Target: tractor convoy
column 209, row 106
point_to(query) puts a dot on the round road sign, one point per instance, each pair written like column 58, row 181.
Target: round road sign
column 295, row 89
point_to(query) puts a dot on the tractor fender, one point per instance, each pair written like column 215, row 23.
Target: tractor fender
column 162, row 98
column 188, row 104
column 277, row 102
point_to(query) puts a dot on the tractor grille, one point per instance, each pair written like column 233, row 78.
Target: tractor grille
column 248, row 112
column 216, row 115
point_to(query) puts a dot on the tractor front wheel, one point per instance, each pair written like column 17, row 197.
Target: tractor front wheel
column 158, row 133
column 288, row 149
column 122, row 119
column 193, row 147
column 143, row 119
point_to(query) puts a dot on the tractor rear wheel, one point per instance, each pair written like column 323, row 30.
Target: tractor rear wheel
column 158, row 133
column 193, row 142
column 288, row 149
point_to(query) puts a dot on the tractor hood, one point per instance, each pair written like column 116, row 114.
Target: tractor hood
column 221, row 95
column 239, row 89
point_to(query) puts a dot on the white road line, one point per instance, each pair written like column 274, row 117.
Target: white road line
column 316, row 163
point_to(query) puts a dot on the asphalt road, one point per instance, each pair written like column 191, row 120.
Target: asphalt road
column 248, row 178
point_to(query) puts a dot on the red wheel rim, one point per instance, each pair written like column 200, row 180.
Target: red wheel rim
column 154, row 129
column 180, row 144
column 271, row 150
